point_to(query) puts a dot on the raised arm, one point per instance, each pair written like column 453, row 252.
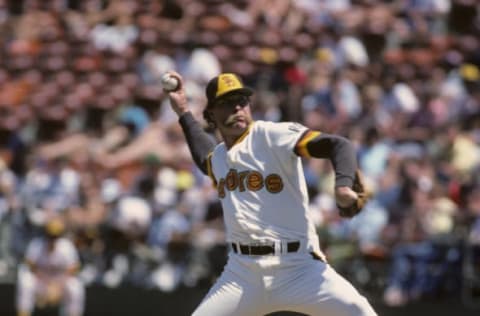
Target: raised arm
column 199, row 142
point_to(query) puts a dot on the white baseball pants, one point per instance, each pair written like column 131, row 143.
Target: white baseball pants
column 29, row 287
column 259, row 285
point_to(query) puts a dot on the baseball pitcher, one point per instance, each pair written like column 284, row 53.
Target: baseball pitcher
column 275, row 262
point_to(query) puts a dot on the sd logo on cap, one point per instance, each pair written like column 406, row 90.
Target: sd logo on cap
column 223, row 85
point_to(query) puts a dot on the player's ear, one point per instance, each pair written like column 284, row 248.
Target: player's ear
column 208, row 116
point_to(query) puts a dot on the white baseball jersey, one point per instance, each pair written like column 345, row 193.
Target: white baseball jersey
column 261, row 185
column 63, row 256
column 51, row 267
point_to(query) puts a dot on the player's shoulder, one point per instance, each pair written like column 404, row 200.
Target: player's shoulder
column 219, row 148
column 37, row 242
column 288, row 127
column 65, row 243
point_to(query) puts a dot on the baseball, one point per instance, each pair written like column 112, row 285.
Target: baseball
column 169, row 82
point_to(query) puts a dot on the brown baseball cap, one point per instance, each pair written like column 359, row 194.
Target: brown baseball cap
column 223, row 85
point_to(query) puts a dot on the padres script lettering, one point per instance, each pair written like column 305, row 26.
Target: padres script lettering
column 249, row 180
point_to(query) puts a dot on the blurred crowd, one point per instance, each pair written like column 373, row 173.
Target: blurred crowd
column 87, row 136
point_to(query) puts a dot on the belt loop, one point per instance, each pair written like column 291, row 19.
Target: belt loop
column 277, row 247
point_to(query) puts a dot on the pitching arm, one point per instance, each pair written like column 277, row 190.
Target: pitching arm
column 199, row 142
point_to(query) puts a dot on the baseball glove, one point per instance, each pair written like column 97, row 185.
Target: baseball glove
column 363, row 196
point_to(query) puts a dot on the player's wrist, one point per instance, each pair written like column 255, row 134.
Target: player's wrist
column 182, row 112
column 345, row 196
column 180, row 107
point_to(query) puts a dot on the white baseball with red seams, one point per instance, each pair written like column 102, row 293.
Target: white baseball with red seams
column 169, row 82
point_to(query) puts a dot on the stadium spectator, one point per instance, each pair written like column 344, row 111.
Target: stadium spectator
column 48, row 275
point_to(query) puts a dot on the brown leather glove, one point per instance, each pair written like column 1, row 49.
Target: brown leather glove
column 363, row 196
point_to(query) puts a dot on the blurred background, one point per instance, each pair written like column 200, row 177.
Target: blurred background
column 87, row 135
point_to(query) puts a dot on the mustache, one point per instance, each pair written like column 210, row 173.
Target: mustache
column 232, row 119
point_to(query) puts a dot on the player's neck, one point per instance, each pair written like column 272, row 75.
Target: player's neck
column 230, row 138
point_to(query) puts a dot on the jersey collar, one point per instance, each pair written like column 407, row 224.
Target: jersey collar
column 245, row 133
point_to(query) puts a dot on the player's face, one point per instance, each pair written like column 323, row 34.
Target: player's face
column 232, row 114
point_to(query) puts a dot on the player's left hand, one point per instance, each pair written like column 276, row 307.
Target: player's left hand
column 363, row 195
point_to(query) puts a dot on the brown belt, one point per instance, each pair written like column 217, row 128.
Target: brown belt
column 262, row 250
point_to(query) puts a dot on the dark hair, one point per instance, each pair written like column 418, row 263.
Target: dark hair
column 207, row 116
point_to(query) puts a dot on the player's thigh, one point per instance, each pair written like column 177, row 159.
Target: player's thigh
column 320, row 290
column 27, row 281
column 230, row 296
column 74, row 288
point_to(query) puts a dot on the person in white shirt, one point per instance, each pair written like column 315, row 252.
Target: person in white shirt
column 48, row 275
